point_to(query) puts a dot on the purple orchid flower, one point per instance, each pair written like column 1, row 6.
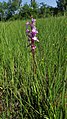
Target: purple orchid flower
column 32, row 34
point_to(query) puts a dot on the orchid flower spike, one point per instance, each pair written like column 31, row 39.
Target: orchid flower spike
column 32, row 34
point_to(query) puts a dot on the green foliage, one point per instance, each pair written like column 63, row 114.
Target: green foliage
column 25, row 11
column 7, row 9
column 13, row 10
column 21, row 96
column 1, row 11
column 12, row 7
column 34, row 7
column 62, row 5
column 43, row 9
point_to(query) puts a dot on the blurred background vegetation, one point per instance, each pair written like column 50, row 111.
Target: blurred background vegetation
column 13, row 9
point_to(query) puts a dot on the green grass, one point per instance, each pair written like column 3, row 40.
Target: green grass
column 43, row 96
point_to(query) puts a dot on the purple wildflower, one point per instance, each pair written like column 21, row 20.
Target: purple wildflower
column 32, row 34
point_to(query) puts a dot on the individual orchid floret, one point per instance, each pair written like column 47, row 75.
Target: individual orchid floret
column 34, row 31
column 33, row 47
column 27, row 30
column 27, row 24
column 35, row 38
column 33, row 21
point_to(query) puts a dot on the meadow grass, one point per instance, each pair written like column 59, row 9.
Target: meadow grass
column 43, row 96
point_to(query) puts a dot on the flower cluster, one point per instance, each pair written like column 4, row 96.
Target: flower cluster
column 32, row 34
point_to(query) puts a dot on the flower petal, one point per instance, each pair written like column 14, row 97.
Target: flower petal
column 35, row 38
column 27, row 30
column 33, row 20
column 33, row 47
column 34, row 31
column 27, row 24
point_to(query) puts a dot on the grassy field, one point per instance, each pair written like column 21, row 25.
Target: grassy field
column 28, row 95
